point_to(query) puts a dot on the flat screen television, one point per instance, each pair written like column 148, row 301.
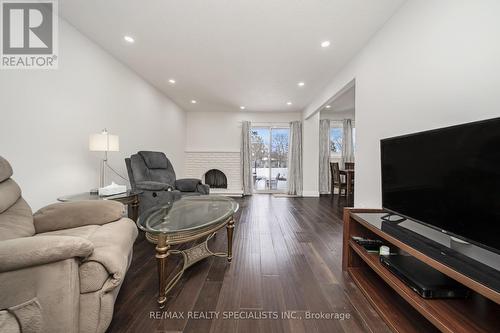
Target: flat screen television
column 448, row 179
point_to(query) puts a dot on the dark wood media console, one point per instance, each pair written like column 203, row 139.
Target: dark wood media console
column 403, row 309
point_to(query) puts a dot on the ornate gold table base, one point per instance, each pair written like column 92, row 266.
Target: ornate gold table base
column 190, row 256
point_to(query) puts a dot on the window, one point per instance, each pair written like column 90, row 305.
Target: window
column 336, row 140
column 336, row 134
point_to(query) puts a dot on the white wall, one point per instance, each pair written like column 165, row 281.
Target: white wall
column 213, row 140
column 434, row 64
column 337, row 115
column 47, row 116
column 221, row 131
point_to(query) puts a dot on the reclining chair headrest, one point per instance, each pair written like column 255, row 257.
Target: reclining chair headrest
column 154, row 159
column 5, row 169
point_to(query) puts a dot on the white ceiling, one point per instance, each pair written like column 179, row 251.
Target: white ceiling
column 227, row 53
column 342, row 103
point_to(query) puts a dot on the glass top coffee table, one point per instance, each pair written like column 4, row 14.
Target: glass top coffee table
column 186, row 220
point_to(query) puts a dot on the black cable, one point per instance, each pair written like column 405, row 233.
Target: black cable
column 116, row 172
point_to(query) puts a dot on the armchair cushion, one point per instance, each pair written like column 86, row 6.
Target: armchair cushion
column 39, row 250
column 187, row 184
column 153, row 186
column 5, row 169
column 9, row 194
column 113, row 243
column 67, row 215
column 17, row 221
column 106, row 266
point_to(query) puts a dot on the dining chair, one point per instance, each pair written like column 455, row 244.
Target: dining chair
column 337, row 180
column 349, row 165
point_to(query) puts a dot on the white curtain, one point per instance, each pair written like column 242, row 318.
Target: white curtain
column 324, row 156
column 295, row 159
column 347, row 142
column 246, row 161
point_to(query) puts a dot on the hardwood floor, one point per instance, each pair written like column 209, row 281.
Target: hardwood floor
column 286, row 262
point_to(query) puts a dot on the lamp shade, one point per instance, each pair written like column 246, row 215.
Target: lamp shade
column 104, row 142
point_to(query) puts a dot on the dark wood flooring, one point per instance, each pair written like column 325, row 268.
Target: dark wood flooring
column 287, row 261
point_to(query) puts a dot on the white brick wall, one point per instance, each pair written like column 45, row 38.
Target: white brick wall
column 197, row 163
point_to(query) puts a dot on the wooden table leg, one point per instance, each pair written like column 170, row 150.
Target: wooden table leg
column 134, row 209
column 349, row 184
column 230, row 229
column 161, row 257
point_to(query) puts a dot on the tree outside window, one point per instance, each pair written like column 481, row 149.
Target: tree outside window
column 336, row 141
column 336, row 134
column 260, row 150
column 279, row 151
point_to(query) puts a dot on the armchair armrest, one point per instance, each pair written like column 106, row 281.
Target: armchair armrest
column 67, row 215
column 203, row 188
column 39, row 250
column 187, row 184
column 153, row 186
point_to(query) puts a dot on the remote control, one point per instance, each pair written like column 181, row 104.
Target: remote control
column 365, row 241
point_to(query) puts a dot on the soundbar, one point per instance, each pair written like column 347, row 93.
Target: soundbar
column 459, row 262
column 423, row 279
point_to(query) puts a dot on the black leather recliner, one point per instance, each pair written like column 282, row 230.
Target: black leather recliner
column 153, row 174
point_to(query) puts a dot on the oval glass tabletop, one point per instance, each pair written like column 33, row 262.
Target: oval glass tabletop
column 186, row 214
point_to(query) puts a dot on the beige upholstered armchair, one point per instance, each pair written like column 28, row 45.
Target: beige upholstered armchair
column 61, row 269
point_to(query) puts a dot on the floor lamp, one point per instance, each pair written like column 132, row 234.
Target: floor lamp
column 104, row 142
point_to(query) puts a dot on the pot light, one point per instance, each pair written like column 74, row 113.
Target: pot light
column 242, row 107
column 326, row 43
column 172, row 81
column 193, row 101
column 288, row 103
column 301, row 84
column 129, row 39
column 328, row 106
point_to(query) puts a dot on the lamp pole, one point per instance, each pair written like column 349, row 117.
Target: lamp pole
column 102, row 178
column 103, row 142
column 104, row 161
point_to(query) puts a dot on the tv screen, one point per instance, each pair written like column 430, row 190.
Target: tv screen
column 448, row 179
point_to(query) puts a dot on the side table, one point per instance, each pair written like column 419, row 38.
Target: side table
column 129, row 198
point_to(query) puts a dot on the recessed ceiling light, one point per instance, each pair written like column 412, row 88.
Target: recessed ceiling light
column 242, row 107
column 288, row 103
column 172, row 81
column 129, row 39
column 193, row 101
column 326, row 43
column 301, row 84
column 328, row 106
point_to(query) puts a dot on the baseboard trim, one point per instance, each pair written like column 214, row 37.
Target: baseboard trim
column 226, row 192
column 310, row 194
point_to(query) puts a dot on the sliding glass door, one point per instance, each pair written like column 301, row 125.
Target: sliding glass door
column 270, row 158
